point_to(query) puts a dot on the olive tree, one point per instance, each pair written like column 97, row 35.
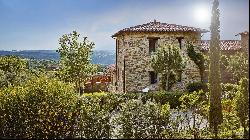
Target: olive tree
column 168, row 62
column 75, row 61
column 13, row 70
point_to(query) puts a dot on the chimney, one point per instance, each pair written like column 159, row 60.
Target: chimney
column 244, row 39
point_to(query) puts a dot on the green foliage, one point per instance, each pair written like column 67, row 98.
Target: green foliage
column 100, row 68
column 242, row 105
column 49, row 108
column 169, row 63
column 197, row 58
column 93, row 119
column 230, row 127
column 196, row 86
column 196, row 102
column 163, row 97
column 229, row 91
column 237, row 64
column 215, row 110
column 40, row 109
column 75, row 65
column 42, row 64
column 189, row 121
column 141, row 121
column 12, row 70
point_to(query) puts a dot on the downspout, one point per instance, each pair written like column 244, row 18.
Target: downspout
column 124, row 90
column 124, row 65
column 116, row 55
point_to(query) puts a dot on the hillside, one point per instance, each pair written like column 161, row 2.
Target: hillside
column 104, row 57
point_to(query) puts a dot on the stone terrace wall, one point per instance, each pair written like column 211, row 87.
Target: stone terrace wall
column 134, row 48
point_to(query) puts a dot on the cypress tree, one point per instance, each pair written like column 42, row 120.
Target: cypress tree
column 215, row 110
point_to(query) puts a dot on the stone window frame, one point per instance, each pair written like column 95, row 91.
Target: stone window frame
column 152, row 40
column 155, row 77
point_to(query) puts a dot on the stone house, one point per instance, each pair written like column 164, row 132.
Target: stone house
column 228, row 47
column 134, row 47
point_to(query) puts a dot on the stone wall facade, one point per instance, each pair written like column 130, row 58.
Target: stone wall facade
column 245, row 43
column 133, row 60
column 226, row 76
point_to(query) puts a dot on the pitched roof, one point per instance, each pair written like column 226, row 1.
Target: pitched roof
column 225, row 45
column 110, row 68
column 160, row 27
column 243, row 33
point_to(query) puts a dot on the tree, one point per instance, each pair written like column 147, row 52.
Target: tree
column 168, row 62
column 237, row 65
column 215, row 110
column 12, row 70
column 242, row 104
column 75, row 65
column 198, row 59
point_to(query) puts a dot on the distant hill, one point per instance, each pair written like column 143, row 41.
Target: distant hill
column 104, row 57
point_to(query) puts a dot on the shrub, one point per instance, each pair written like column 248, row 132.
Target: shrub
column 43, row 108
column 196, row 86
column 163, row 97
column 140, row 121
column 48, row 108
column 229, row 90
column 93, row 120
column 112, row 100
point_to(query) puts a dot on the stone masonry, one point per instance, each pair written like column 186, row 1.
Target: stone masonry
column 133, row 59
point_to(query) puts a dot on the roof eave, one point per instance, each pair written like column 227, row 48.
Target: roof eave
column 120, row 32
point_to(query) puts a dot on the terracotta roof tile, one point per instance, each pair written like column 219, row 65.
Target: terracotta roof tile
column 110, row 68
column 243, row 33
column 225, row 45
column 160, row 27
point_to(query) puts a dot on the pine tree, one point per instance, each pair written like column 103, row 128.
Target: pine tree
column 215, row 110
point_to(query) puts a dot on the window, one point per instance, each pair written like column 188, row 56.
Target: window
column 153, row 77
column 152, row 44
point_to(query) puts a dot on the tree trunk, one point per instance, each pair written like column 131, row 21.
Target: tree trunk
column 245, row 132
column 202, row 76
column 167, row 81
column 216, row 132
column 163, row 82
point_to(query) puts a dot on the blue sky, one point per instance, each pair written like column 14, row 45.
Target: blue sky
column 38, row 24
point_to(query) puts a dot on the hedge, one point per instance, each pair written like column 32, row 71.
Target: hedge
column 196, row 86
column 49, row 108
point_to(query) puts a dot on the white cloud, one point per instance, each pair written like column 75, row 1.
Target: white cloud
column 100, row 26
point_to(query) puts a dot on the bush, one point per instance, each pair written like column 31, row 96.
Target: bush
column 229, row 90
column 48, row 108
column 196, row 86
column 93, row 120
column 140, row 121
column 163, row 97
column 43, row 108
column 115, row 99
